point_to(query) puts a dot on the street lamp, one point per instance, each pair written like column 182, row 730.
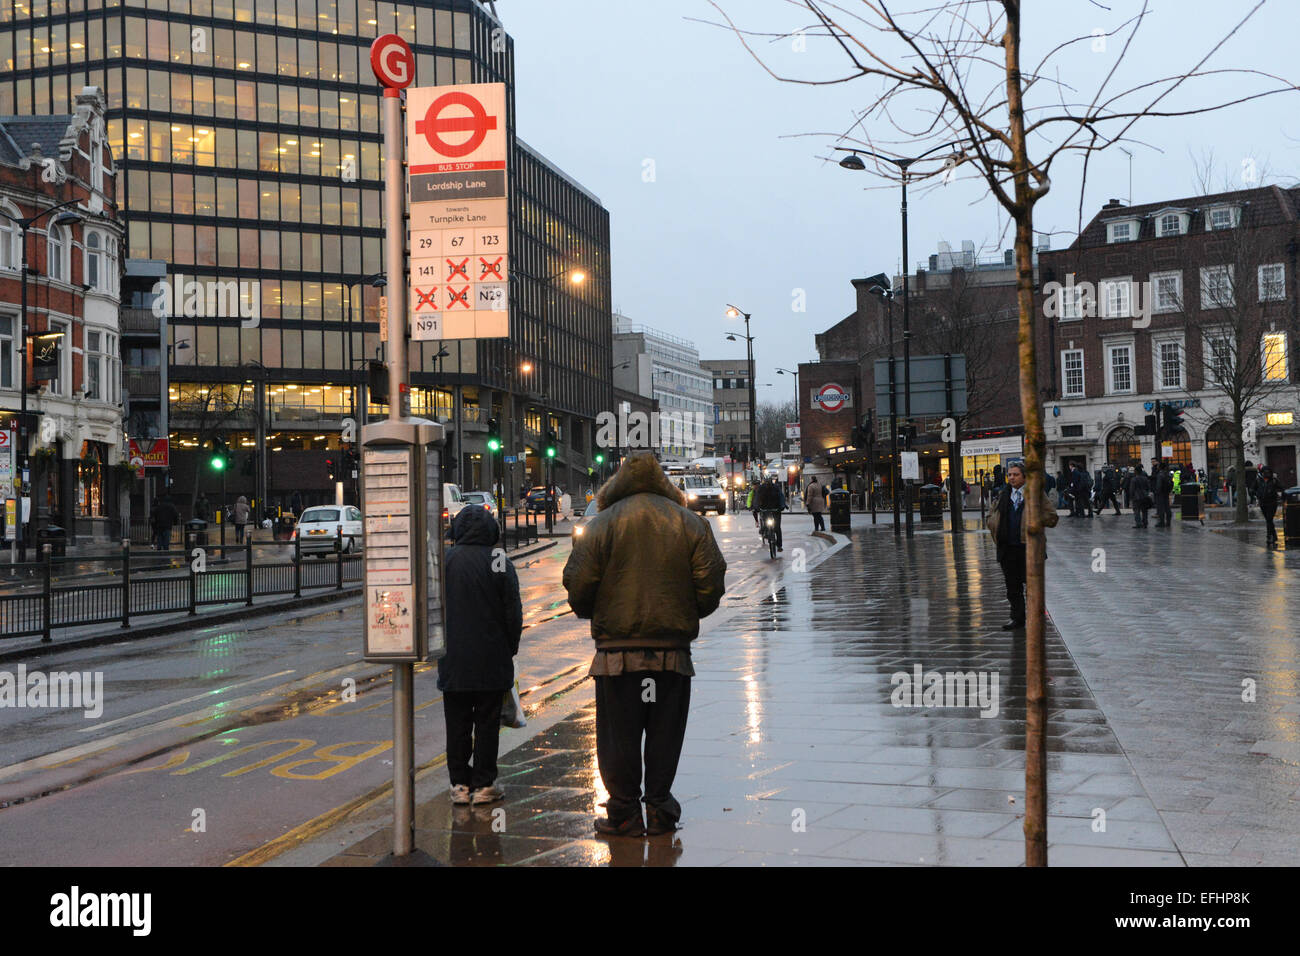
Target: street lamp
column 24, row 490
column 733, row 312
column 576, row 277
column 854, row 162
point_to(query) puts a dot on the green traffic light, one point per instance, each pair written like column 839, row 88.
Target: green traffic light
column 550, row 453
column 218, row 464
column 600, row 459
column 494, row 444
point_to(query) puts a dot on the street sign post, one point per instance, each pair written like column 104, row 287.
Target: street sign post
column 402, row 481
column 460, row 279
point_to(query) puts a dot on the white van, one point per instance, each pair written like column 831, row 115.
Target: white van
column 452, row 502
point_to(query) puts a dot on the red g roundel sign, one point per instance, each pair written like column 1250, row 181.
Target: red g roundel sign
column 831, row 397
column 392, row 61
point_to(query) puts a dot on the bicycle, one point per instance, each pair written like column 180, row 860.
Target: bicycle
column 767, row 529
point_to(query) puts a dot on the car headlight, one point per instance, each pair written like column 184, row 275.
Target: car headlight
column 578, row 531
column 693, row 496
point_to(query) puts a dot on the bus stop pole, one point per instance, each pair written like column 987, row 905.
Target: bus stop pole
column 394, row 256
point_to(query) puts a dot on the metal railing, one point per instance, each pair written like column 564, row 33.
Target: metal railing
column 40, row 597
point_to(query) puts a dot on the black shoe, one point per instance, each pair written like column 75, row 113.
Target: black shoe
column 658, row 822
column 1013, row 625
column 631, row 827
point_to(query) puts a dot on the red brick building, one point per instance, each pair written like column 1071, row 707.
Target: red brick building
column 1190, row 301
column 73, row 431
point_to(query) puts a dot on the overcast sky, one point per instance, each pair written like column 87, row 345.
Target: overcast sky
column 717, row 193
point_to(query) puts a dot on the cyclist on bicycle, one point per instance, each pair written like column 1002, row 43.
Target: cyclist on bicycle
column 770, row 501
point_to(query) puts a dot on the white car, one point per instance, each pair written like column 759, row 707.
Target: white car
column 483, row 499
column 452, row 502
column 319, row 527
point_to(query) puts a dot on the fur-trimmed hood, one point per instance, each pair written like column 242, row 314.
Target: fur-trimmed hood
column 640, row 473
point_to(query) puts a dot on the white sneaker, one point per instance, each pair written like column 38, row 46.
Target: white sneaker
column 460, row 795
column 489, row 794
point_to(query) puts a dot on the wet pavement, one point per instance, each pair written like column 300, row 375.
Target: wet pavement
column 796, row 753
column 1188, row 639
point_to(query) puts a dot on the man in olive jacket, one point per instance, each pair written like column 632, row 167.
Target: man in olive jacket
column 1006, row 522
column 644, row 572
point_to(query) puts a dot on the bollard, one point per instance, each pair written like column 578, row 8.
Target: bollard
column 338, row 558
column 248, row 571
column 297, row 565
column 126, row 582
column 46, row 604
column 189, row 538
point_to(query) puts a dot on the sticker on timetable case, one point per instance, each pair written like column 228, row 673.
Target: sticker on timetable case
column 490, row 296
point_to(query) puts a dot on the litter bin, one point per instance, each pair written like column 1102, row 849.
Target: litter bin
column 1191, row 500
column 55, row 537
column 284, row 527
column 1291, row 515
column 931, row 503
column 840, row 510
column 199, row 529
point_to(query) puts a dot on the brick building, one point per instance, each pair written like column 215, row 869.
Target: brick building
column 960, row 304
column 72, row 436
column 1190, row 301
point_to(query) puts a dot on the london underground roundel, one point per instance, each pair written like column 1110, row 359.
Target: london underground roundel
column 831, row 397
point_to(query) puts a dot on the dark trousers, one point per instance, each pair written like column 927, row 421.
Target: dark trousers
column 1164, row 514
column 1077, row 503
column 1108, row 498
column 1141, row 517
column 239, row 534
column 1013, row 569
column 622, row 716
column 776, row 524
column 1268, row 513
column 473, row 729
column 819, row 522
column 162, row 538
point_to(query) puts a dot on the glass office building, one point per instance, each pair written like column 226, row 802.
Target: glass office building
column 249, row 146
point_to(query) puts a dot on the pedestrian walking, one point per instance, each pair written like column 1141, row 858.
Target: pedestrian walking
column 484, row 622
column 1125, row 485
column 1106, row 491
column 202, row 508
column 644, row 573
column 814, row 499
column 1140, row 488
column 295, row 505
column 240, row 513
column 1006, row 522
column 165, row 517
column 1079, row 491
column 1162, row 485
column 1267, row 492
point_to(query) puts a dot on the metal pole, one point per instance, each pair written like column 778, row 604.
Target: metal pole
column 753, row 411
column 548, row 466
column 23, row 466
column 954, row 463
column 395, row 262
column 907, row 352
column 893, row 421
column 263, row 458
column 352, row 394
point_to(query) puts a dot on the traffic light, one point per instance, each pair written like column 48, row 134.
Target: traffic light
column 331, row 468
column 494, row 435
column 600, row 458
column 377, row 381
column 1173, row 422
column 220, row 454
column 550, row 445
column 1149, row 426
column 352, row 463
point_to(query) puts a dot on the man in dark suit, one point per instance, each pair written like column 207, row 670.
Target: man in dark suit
column 1006, row 522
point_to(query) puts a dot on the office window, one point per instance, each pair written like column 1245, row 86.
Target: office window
column 1170, row 364
column 1274, row 357
column 1072, row 372
column 58, row 253
column 1116, row 298
column 1218, row 355
column 1272, row 282
column 1168, row 290
column 8, row 350
column 1216, row 287
column 1121, row 368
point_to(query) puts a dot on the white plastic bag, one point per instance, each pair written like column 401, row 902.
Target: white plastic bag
column 512, row 709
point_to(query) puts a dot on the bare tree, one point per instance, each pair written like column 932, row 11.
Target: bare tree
column 949, row 76
column 1238, row 322
column 770, row 422
column 212, row 412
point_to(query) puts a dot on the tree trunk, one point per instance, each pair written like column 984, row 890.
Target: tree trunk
column 1035, row 445
column 1241, row 500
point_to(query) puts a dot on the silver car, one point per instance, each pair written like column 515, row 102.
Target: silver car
column 319, row 528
